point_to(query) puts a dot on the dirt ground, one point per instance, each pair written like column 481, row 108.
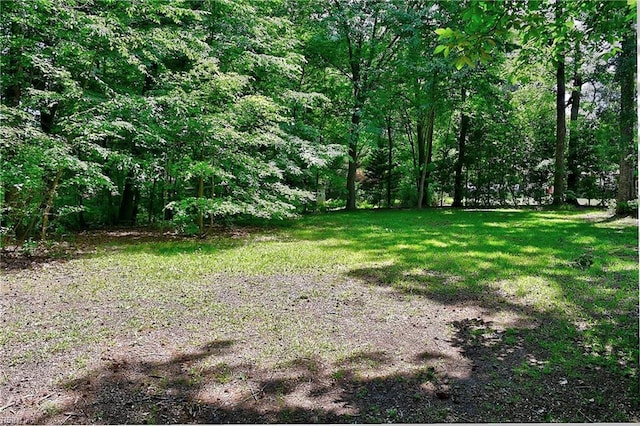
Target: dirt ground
column 383, row 356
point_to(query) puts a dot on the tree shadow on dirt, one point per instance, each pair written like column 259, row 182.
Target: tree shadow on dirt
column 543, row 367
column 125, row 391
column 195, row 387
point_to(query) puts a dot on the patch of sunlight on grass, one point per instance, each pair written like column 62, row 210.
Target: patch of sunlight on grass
column 622, row 266
column 436, row 243
column 254, row 258
column 530, row 250
column 498, row 225
column 538, row 292
column 494, row 242
column 484, row 265
column 585, row 239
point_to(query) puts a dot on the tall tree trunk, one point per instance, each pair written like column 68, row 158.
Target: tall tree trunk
column 627, row 184
column 458, row 186
column 126, row 214
column 152, row 192
column 561, row 130
column 389, row 163
column 573, row 174
column 561, row 133
column 407, row 126
column 353, row 158
column 213, row 196
column 200, row 212
column 49, row 205
column 421, row 142
column 428, row 147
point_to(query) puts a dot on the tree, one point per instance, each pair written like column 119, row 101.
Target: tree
column 487, row 29
column 360, row 39
column 627, row 182
column 458, row 187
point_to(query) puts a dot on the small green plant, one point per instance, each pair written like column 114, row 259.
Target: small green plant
column 584, row 261
column 427, row 375
column 392, row 413
column 223, row 373
column 339, row 374
column 29, row 247
column 152, row 417
column 50, row 408
column 510, row 336
column 362, row 392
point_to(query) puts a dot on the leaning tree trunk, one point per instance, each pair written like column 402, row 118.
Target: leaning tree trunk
column 627, row 190
column 458, row 188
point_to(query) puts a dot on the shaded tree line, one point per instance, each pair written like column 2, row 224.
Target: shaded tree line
column 192, row 112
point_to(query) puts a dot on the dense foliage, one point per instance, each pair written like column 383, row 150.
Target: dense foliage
column 124, row 112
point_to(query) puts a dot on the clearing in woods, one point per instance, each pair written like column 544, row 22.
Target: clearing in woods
column 376, row 316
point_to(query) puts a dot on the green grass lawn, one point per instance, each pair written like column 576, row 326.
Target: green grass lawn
column 554, row 297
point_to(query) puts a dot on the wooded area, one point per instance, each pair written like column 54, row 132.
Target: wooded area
column 188, row 112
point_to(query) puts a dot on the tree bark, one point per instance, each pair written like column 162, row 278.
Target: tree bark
column 200, row 212
column 421, row 142
column 49, row 205
column 561, row 133
column 573, row 174
column 213, row 196
column 458, row 186
column 428, row 147
column 353, row 160
column 627, row 185
column 126, row 214
column 389, row 163
column 561, row 130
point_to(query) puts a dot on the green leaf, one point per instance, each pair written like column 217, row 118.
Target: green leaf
column 468, row 61
column 444, row 32
column 439, row 49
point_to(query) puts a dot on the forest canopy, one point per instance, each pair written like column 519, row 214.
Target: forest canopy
column 189, row 112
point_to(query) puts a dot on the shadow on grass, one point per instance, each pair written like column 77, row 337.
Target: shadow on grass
column 132, row 240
